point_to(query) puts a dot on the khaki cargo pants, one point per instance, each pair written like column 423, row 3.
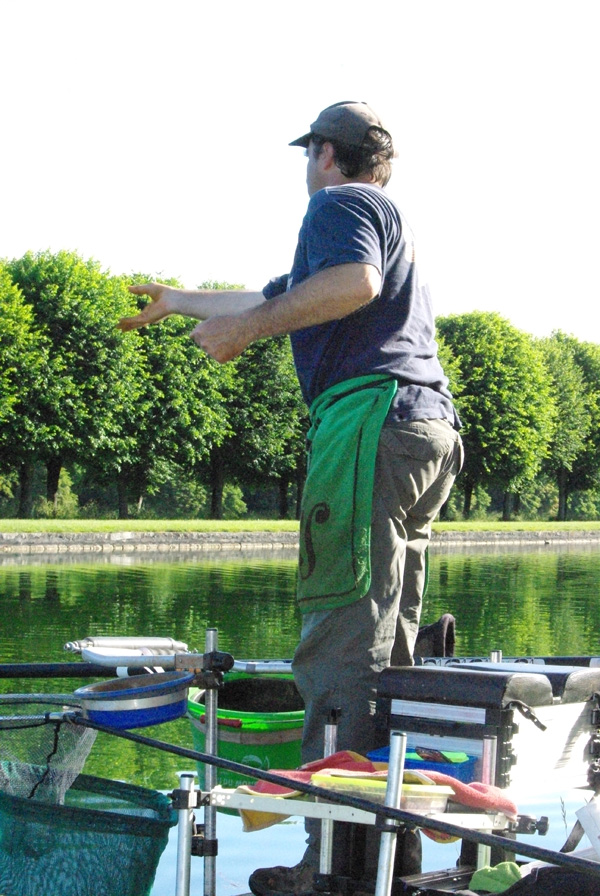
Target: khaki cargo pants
column 342, row 651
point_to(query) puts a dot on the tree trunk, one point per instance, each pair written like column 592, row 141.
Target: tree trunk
column 300, row 480
column 517, row 503
column 217, row 484
column 284, row 506
column 53, row 468
column 562, row 493
column 468, row 500
column 51, row 592
column 25, row 490
column 24, row 586
column 122, row 495
column 506, row 507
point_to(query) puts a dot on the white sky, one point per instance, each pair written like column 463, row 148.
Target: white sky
column 153, row 137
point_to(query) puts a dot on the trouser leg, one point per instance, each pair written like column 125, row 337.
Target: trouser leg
column 421, row 461
column 342, row 651
column 336, row 666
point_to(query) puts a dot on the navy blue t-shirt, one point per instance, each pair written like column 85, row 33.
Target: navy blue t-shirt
column 395, row 333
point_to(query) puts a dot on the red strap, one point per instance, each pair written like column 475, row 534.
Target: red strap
column 228, row 723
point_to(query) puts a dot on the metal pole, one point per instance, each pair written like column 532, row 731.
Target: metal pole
column 210, row 774
column 184, row 836
column 56, row 670
column 393, row 796
column 326, row 849
column 488, row 776
column 488, row 759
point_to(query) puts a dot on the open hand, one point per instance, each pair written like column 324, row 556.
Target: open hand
column 157, row 308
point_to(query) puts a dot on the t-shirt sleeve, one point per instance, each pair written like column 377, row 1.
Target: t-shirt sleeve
column 276, row 286
column 340, row 231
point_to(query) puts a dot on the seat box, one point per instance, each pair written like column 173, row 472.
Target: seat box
column 544, row 717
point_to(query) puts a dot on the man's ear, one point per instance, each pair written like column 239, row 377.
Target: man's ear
column 327, row 156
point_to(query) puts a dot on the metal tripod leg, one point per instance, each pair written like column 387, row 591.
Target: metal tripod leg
column 185, row 816
column 326, row 853
column 488, row 776
column 210, row 776
column 393, row 796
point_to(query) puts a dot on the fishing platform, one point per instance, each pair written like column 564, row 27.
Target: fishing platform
column 463, row 736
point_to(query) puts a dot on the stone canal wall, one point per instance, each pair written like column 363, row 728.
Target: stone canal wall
column 132, row 542
column 127, row 542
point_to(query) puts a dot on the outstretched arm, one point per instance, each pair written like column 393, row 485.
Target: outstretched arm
column 200, row 304
column 233, row 319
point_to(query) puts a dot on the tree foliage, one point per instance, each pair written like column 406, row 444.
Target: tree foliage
column 145, row 420
column 575, row 410
column 265, row 415
column 503, row 400
column 177, row 413
column 74, row 306
column 23, row 354
column 586, row 470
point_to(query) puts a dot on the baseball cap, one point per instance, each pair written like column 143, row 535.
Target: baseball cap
column 347, row 122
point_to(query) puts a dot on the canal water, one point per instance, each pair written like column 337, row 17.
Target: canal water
column 542, row 602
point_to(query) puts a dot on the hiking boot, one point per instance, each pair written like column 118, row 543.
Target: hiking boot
column 282, row 881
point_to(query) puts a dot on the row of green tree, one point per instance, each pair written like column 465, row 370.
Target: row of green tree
column 95, row 422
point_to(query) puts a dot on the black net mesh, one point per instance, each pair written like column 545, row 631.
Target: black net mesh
column 41, row 751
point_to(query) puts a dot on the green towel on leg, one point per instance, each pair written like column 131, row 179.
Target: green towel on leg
column 335, row 528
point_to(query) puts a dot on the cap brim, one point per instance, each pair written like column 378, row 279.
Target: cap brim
column 301, row 141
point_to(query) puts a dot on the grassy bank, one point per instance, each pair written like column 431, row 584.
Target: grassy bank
column 70, row 526
column 74, row 526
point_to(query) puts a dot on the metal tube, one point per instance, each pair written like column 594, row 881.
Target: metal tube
column 488, row 776
column 326, row 847
column 495, row 656
column 393, row 797
column 184, row 837
column 56, row 670
column 210, row 773
column 488, row 759
column 129, row 643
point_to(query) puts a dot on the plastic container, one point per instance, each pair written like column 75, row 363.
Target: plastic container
column 260, row 719
column 458, row 765
column 138, row 701
column 420, row 798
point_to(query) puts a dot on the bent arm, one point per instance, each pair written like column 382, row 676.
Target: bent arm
column 330, row 294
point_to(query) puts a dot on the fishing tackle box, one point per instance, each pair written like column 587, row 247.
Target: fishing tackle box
column 545, row 718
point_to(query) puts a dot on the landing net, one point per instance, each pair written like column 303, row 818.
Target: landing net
column 41, row 753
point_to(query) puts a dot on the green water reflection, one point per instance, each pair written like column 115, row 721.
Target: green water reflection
column 524, row 602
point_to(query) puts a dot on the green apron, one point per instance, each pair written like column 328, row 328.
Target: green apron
column 335, row 527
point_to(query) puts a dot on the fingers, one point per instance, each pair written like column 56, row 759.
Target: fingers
column 142, row 289
column 130, row 323
column 152, row 312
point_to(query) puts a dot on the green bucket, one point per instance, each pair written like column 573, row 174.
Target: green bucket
column 259, row 720
column 107, row 838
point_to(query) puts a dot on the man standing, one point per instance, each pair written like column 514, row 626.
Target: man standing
column 383, row 445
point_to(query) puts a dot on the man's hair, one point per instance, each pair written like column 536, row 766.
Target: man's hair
column 374, row 155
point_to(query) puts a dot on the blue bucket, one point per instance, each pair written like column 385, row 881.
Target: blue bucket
column 136, row 702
